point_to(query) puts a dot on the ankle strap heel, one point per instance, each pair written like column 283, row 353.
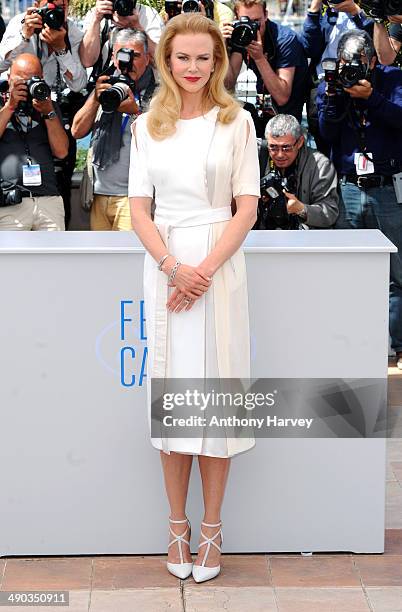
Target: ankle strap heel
column 200, row 572
column 180, row 570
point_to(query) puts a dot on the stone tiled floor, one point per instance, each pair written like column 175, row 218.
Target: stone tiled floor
column 252, row 583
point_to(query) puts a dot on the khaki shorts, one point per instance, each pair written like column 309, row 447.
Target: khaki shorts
column 110, row 213
column 45, row 213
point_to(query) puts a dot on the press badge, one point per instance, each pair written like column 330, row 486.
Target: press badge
column 31, row 175
column 364, row 165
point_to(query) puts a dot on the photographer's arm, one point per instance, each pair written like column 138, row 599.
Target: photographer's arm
column 278, row 84
column 311, row 37
column 17, row 36
column 329, row 110
column 387, row 111
column 235, row 62
column 90, row 46
column 387, row 48
column 17, row 94
column 57, row 136
column 5, row 115
column 85, row 117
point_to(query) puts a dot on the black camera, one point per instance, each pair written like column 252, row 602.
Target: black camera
column 9, row 194
column 52, row 15
column 111, row 98
column 124, row 8
column 347, row 74
column 190, row 6
column 351, row 72
column 244, row 31
column 332, row 15
column 172, row 8
column 379, row 9
column 272, row 207
column 39, row 90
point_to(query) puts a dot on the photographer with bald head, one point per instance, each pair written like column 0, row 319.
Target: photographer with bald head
column 31, row 133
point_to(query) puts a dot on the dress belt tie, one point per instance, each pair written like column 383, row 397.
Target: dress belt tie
column 165, row 223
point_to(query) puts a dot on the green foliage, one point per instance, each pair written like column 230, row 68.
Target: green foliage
column 81, row 159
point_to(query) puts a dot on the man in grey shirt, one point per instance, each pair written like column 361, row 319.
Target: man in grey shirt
column 111, row 131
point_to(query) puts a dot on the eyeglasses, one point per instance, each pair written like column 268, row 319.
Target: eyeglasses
column 287, row 148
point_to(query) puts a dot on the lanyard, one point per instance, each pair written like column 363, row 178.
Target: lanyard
column 23, row 134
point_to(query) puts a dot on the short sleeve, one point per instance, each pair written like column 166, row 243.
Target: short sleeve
column 290, row 52
column 139, row 182
column 245, row 168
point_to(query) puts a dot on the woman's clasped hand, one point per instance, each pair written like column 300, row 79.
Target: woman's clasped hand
column 190, row 283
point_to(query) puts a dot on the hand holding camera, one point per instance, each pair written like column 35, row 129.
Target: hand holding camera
column 32, row 22
column 293, row 205
column 56, row 39
column 256, row 48
column 18, row 92
column 102, row 84
column 103, row 8
column 363, row 89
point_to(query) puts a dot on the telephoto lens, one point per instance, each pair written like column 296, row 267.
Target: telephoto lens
column 111, row 98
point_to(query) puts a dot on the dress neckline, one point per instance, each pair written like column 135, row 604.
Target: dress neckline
column 206, row 115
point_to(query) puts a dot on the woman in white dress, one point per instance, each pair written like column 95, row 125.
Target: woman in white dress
column 195, row 150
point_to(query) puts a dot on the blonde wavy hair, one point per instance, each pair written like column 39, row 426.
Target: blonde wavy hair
column 167, row 103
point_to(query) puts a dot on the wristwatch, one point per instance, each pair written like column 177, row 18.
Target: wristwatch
column 50, row 115
column 61, row 52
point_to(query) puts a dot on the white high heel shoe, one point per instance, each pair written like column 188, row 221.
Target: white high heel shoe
column 180, row 570
column 200, row 572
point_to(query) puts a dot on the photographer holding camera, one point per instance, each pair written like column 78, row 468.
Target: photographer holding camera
column 31, row 133
column 109, row 112
column 320, row 36
column 272, row 52
column 107, row 15
column 299, row 186
column 360, row 115
column 213, row 9
column 46, row 31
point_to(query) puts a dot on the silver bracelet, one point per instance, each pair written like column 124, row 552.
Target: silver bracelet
column 162, row 261
column 173, row 272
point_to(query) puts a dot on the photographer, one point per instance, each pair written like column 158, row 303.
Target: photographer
column 213, row 9
column 274, row 54
column 320, row 37
column 109, row 112
column 360, row 115
column 30, row 134
column 51, row 36
column 105, row 17
column 307, row 177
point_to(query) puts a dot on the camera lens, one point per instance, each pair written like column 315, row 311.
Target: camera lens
column 39, row 90
column 53, row 17
column 190, row 6
column 110, row 99
column 124, row 8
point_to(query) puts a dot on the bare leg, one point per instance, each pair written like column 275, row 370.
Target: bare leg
column 214, row 474
column 176, row 471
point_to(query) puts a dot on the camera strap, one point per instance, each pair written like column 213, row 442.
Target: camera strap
column 23, row 134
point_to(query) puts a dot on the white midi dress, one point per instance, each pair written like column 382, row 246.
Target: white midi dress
column 186, row 344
